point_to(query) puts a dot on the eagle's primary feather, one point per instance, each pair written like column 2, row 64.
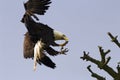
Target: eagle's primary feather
column 37, row 6
column 33, row 7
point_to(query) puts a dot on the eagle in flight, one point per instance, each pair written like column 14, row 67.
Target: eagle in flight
column 40, row 37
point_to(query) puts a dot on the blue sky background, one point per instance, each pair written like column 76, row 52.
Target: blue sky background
column 85, row 22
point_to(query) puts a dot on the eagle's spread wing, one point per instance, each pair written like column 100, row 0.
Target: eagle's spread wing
column 37, row 6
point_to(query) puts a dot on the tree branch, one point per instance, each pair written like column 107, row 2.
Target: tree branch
column 114, row 39
column 104, row 61
column 95, row 75
column 101, row 64
column 88, row 58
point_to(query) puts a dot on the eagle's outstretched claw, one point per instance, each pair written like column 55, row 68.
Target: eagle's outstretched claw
column 63, row 51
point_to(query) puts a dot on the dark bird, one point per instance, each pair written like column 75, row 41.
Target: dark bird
column 43, row 36
column 40, row 37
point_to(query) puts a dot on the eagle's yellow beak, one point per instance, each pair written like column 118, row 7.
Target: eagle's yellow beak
column 66, row 39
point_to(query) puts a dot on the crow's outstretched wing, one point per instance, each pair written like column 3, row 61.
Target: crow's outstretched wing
column 37, row 6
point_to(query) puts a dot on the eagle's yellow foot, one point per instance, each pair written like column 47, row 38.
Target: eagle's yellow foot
column 63, row 51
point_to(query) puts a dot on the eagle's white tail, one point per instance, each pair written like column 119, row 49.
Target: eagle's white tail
column 37, row 53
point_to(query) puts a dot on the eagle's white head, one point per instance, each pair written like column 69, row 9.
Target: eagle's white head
column 60, row 36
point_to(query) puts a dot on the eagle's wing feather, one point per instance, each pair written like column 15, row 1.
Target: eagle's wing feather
column 51, row 51
column 46, row 61
column 37, row 6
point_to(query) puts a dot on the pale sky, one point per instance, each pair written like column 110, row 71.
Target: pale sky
column 85, row 22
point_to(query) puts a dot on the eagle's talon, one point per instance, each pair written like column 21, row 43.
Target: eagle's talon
column 63, row 51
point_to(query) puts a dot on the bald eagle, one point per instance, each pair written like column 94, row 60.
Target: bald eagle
column 40, row 36
column 43, row 36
